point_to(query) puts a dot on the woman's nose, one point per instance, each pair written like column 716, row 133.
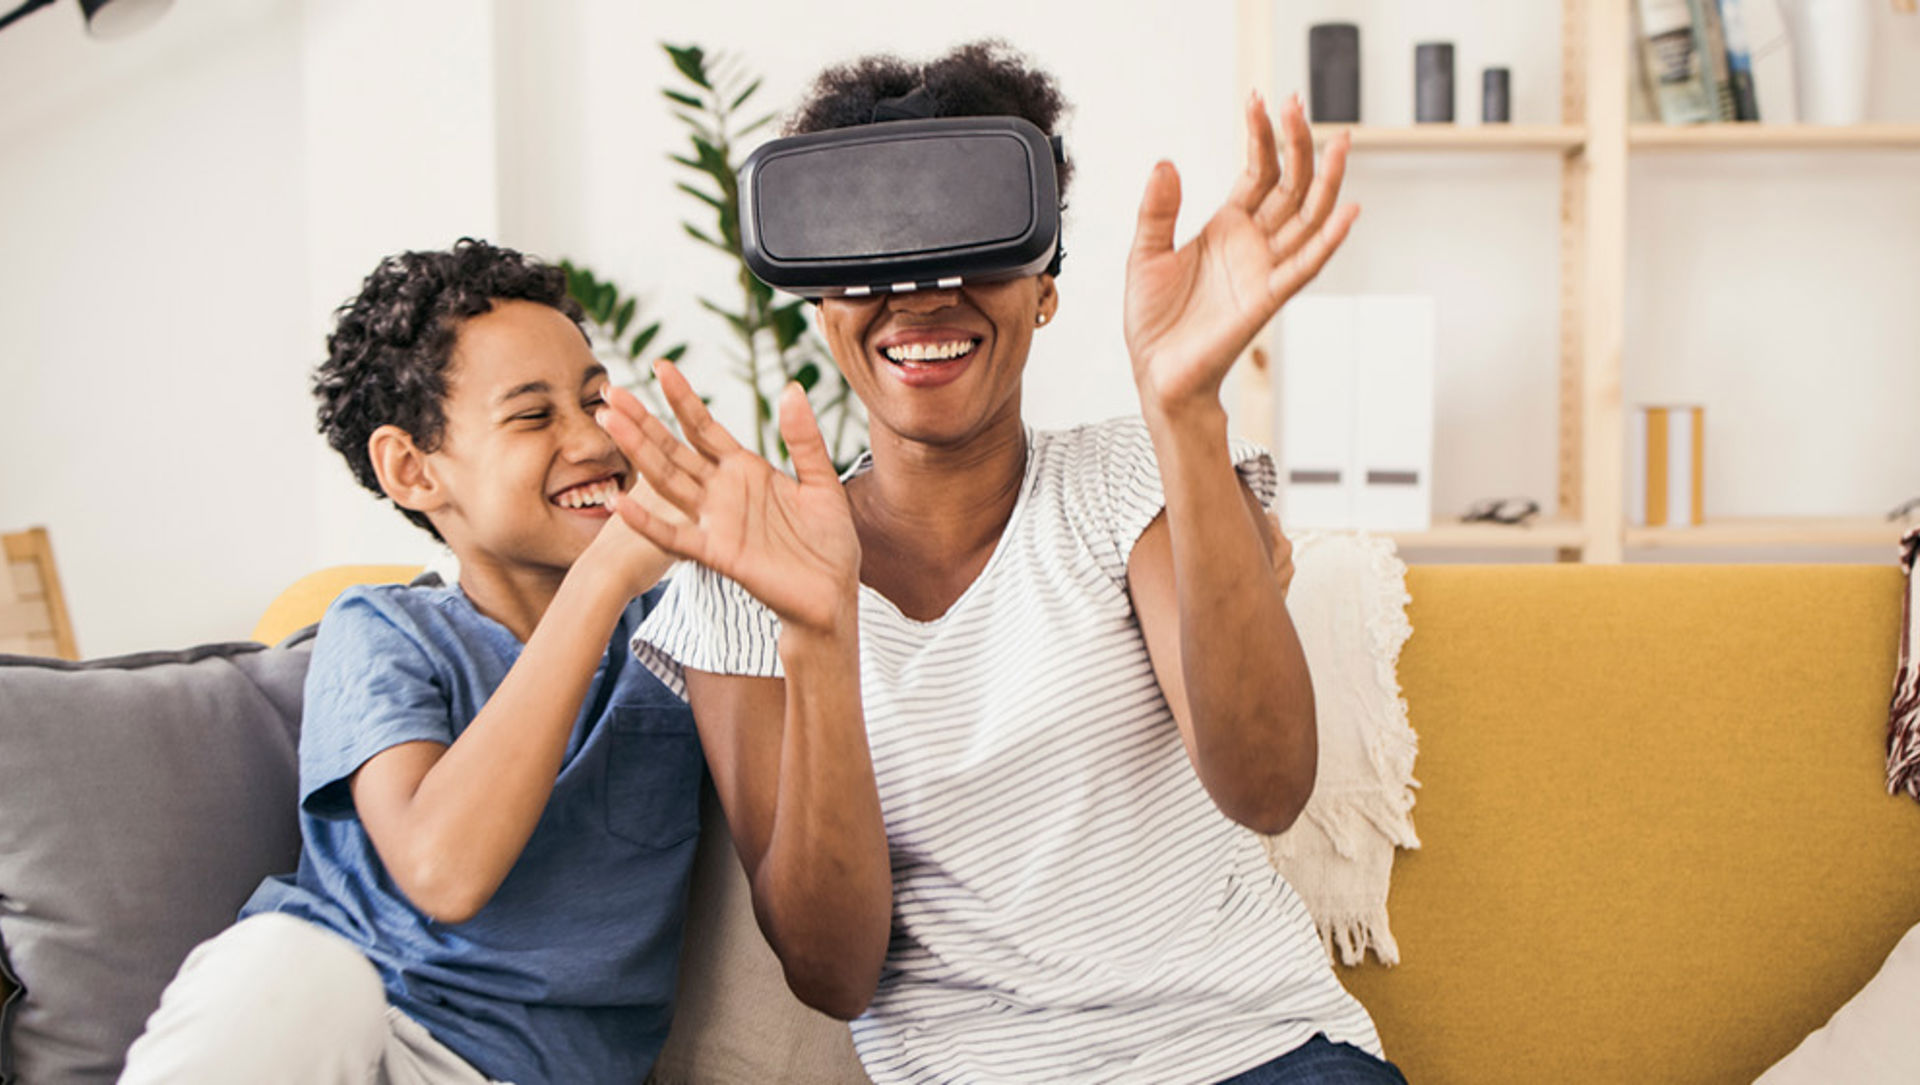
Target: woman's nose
column 922, row 301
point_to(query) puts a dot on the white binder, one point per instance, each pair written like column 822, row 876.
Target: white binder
column 1356, row 412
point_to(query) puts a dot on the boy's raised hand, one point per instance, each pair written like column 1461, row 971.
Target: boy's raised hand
column 789, row 541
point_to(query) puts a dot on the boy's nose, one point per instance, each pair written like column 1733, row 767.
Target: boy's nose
column 586, row 441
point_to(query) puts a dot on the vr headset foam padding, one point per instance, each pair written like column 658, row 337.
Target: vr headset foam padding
column 901, row 205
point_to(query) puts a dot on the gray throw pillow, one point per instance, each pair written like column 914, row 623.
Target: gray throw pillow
column 142, row 799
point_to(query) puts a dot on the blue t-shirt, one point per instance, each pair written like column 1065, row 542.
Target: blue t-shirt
column 567, row 974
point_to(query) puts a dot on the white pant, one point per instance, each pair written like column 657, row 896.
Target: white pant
column 277, row 999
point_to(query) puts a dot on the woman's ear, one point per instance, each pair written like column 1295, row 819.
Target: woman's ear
column 403, row 470
column 1049, row 300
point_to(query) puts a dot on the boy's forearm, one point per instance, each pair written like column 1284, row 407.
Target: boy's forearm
column 474, row 810
column 824, row 884
column 1247, row 686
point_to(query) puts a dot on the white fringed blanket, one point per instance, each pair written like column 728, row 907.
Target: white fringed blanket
column 1348, row 602
column 1903, row 716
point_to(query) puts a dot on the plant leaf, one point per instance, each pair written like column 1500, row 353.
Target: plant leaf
column 624, row 316
column 808, row 376
column 697, row 126
column 603, row 303
column 687, row 100
column 642, row 338
column 755, row 126
column 702, row 236
column 789, row 324
column 741, row 98
column 691, row 60
column 711, row 159
column 675, row 354
column 707, row 198
column 739, row 322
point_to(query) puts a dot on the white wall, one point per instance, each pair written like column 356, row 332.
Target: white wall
column 152, row 340
column 180, row 211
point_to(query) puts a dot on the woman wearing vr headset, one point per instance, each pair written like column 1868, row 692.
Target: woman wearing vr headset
column 987, row 717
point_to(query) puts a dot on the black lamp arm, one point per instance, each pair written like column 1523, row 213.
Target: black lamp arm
column 23, row 10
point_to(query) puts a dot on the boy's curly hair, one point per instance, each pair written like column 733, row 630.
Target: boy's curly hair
column 980, row 79
column 388, row 355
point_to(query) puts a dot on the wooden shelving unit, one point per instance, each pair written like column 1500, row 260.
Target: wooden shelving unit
column 1454, row 535
column 1567, row 139
column 1593, row 144
column 1774, row 137
column 1783, row 532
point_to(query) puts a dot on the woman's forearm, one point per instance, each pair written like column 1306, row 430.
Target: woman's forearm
column 1246, row 683
column 824, row 886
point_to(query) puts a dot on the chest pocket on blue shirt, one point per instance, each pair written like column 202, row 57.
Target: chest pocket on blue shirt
column 653, row 774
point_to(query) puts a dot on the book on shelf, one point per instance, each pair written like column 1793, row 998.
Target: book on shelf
column 1666, row 468
column 1709, row 34
column 1677, row 69
column 1733, row 23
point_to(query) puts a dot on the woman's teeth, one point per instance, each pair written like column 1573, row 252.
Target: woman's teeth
column 929, row 352
column 594, row 493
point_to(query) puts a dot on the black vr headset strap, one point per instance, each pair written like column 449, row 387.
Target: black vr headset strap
column 914, row 105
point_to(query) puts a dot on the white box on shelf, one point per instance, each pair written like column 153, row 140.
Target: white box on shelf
column 1356, row 412
column 1393, row 413
column 1316, row 412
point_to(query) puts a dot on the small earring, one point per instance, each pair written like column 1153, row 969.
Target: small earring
column 1040, row 318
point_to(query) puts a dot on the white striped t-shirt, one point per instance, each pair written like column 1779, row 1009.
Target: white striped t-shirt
column 1068, row 903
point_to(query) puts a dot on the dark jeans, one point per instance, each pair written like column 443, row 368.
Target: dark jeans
column 1320, row 1061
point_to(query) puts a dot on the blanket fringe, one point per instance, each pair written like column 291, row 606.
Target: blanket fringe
column 1338, row 825
column 1903, row 716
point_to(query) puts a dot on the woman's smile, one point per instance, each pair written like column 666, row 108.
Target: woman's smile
column 929, row 356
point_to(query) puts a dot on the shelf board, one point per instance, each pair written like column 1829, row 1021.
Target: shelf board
column 1565, row 139
column 1711, row 137
column 1780, row 532
column 1454, row 535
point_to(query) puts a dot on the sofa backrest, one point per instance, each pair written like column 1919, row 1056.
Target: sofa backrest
column 1656, row 845
column 1656, row 841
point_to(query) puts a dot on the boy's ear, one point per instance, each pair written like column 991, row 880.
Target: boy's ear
column 403, row 470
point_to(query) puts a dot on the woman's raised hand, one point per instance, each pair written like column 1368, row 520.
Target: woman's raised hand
column 1191, row 311
column 789, row 541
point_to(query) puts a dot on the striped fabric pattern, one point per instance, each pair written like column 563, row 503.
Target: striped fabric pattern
column 1069, row 905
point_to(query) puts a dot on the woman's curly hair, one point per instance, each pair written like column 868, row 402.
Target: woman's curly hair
column 388, row 355
column 980, row 79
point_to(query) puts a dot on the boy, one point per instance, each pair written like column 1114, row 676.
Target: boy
column 498, row 804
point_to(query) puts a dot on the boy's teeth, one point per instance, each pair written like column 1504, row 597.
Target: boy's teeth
column 580, row 497
column 928, row 352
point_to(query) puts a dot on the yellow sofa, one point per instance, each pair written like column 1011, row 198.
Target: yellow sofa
column 1656, row 843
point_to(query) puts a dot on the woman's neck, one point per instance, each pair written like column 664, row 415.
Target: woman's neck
column 929, row 517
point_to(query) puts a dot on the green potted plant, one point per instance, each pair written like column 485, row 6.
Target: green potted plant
column 773, row 342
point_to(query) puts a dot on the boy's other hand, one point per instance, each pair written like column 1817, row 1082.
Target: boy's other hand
column 789, row 541
column 634, row 560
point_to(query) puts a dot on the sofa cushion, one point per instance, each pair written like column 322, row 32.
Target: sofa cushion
column 142, row 799
column 735, row 1022
column 1873, row 1040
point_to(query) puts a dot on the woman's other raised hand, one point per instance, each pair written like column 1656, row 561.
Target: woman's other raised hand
column 1190, row 311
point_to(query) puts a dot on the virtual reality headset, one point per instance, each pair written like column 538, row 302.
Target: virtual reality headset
column 902, row 205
